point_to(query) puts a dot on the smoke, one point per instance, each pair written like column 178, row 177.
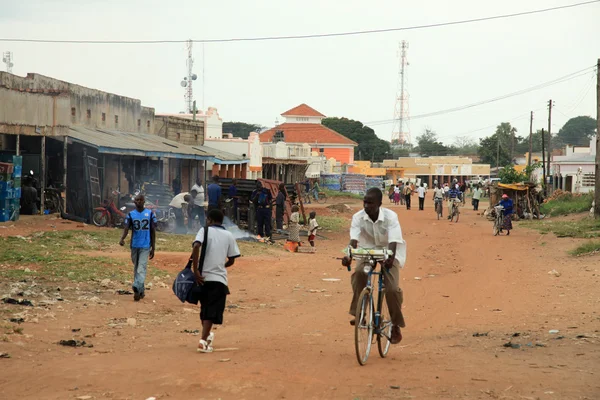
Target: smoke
column 235, row 230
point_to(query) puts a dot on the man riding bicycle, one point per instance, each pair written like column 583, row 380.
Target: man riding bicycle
column 376, row 226
column 438, row 197
column 454, row 195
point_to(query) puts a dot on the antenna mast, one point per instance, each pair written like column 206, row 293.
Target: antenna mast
column 401, row 130
column 7, row 59
column 187, row 81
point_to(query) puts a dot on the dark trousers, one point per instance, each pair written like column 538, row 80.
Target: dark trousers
column 196, row 211
column 279, row 217
column 421, row 203
column 263, row 219
column 407, row 198
column 475, row 204
column 179, row 221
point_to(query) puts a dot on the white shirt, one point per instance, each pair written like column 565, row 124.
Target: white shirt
column 178, row 200
column 199, row 199
column 221, row 246
column 421, row 191
column 312, row 227
column 446, row 189
column 397, row 190
column 438, row 193
column 380, row 233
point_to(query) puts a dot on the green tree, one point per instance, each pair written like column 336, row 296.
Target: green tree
column 464, row 146
column 370, row 147
column 577, row 131
column 495, row 149
column 429, row 145
column 241, row 129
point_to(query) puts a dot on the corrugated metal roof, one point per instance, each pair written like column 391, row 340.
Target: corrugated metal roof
column 145, row 145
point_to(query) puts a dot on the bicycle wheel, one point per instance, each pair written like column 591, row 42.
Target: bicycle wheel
column 100, row 218
column 496, row 229
column 457, row 214
column 322, row 198
column 385, row 326
column 363, row 327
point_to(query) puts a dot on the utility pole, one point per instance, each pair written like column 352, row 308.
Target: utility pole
column 497, row 153
column 530, row 138
column 543, row 161
column 550, row 103
column 512, row 144
column 597, row 168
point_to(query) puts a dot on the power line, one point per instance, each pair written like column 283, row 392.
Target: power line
column 562, row 79
column 310, row 36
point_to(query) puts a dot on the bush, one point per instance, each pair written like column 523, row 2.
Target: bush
column 586, row 248
column 564, row 203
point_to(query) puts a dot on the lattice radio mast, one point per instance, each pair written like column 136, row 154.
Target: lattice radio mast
column 401, row 130
column 7, row 59
column 187, row 81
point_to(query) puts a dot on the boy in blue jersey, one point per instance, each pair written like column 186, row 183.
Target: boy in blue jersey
column 142, row 223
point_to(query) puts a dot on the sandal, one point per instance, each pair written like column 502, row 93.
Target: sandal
column 204, row 347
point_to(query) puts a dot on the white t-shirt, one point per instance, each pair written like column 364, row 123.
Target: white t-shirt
column 221, row 246
column 438, row 193
column 199, row 199
column 312, row 227
column 379, row 233
column 397, row 190
column 178, row 200
column 446, row 189
column 421, row 191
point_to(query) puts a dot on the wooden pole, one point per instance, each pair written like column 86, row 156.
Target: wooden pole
column 18, row 146
column 530, row 139
column 550, row 141
column 43, row 175
column 65, row 147
column 597, row 168
column 543, row 161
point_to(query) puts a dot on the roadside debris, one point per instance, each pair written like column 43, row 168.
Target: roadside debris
column 4, row 355
column 512, row 345
column 554, row 272
column 21, row 302
column 124, row 292
column 75, row 343
column 195, row 332
column 477, row 334
column 17, row 320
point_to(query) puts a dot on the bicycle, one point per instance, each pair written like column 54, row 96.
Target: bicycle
column 455, row 210
column 370, row 322
column 438, row 208
column 499, row 220
column 310, row 197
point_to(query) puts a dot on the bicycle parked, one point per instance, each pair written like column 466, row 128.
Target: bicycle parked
column 455, row 214
column 373, row 320
column 499, row 220
column 310, row 197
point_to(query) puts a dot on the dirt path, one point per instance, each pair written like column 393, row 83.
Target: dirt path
column 286, row 333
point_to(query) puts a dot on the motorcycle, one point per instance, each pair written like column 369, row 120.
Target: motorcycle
column 109, row 214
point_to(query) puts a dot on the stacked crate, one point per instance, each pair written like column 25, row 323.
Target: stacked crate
column 354, row 183
column 10, row 189
column 331, row 181
column 374, row 183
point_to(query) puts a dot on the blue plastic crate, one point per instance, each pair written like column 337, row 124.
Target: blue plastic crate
column 17, row 171
column 17, row 160
column 5, row 185
column 7, row 194
column 5, row 215
column 16, row 193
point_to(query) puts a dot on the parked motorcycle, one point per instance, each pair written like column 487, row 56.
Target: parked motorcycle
column 109, row 214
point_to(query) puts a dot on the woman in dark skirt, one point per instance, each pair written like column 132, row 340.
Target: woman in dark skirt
column 507, row 203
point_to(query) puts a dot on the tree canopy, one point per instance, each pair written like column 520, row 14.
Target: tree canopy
column 577, row 131
column 240, row 129
column 370, row 147
column 428, row 144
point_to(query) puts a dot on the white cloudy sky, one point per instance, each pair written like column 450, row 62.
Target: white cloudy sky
column 353, row 76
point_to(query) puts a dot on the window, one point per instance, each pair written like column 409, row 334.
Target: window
column 139, row 123
column 302, row 119
column 116, row 119
column 588, row 180
column 73, row 111
column 178, row 136
column 148, row 123
column 103, row 117
column 278, row 137
column 196, row 138
column 88, row 113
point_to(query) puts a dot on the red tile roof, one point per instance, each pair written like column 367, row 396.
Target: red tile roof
column 303, row 111
column 307, row 133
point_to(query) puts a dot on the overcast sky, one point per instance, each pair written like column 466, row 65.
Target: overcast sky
column 354, row 76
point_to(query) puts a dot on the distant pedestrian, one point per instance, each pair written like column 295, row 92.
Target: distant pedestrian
column 294, row 225
column 198, row 205
column 221, row 252
column 180, row 203
column 391, row 191
column 476, row 197
column 232, row 194
column 407, row 193
column 142, row 223
column 421, row 191
column 214, row 194
column 313, row 226
column 397, row 195
column 263, row 201
column 280, row 206
column 316, row 189
column 401, row 187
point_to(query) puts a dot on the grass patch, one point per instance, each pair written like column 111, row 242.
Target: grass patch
column 567, row 203
column 333, row 223
column 586, row 228
column 586, row 248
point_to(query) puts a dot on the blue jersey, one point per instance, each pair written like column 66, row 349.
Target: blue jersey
column 454, row 193
column 140, row 224
column 214, row 194
column 508, row 206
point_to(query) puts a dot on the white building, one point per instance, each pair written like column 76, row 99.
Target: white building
column 574, row 172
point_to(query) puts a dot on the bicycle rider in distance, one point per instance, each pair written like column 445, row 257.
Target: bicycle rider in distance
column 372, row 227
column 454, row 194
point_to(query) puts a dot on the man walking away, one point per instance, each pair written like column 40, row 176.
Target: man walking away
column 407, row 192
column 421, row 192
column 142, row 223
column 476, row 197
column 280, row 206
column 214, row 194
column 438, row 197
column 316, row 189
column 221, row 252
column 180, row 204
column 401, row 187
column 198, row 208
column 376, row 226
column 263, row 200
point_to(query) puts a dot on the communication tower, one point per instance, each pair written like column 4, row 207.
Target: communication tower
column 187, row 81
column 401, row 130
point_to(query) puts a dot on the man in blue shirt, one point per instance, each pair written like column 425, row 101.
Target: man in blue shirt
column 232, row 194
column 214, row 194
column 142, row 223
column 454, row 194
column 263, row 201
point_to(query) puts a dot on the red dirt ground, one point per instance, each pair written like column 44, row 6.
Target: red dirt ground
column 281, row 340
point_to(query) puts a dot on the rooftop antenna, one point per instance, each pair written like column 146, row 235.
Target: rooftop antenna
column 401, row 130
column 7, row 59
column 187, row 81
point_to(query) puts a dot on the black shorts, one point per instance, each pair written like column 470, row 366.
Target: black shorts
column 212, row 302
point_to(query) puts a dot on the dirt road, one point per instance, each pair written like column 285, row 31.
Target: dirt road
column 286, row 333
